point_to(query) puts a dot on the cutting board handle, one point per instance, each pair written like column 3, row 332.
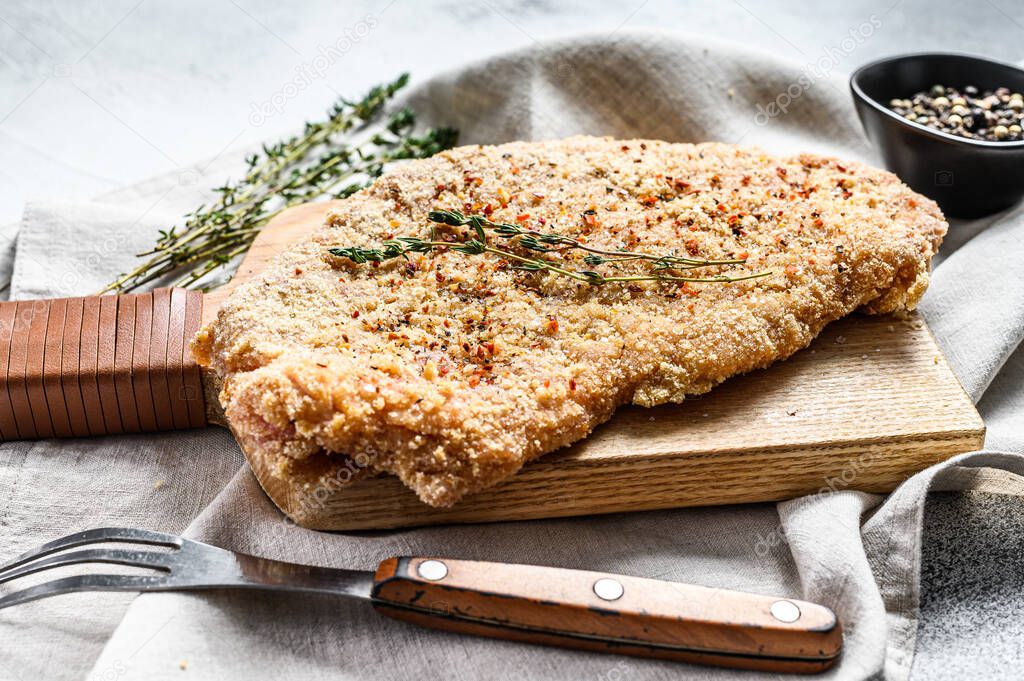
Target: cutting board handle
column 99, row 365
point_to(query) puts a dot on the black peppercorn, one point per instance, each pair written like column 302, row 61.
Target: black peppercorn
column 994, row 115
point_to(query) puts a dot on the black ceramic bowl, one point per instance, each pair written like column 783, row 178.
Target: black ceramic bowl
column 968, row 178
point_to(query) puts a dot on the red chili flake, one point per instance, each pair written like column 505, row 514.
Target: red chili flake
column 572, row 384
column 912, row 203
column 393, row 336
column 488, row 209
column 465, row 346
column 745, row 180
column 321, row 365
column 721, row 208
column 542, row 221
column 490, row 348
column 590, row 219
column 643, row 145
column 649, row 200
column 443, row 370
column 447, row 324
column 514, row 170
column 439, row 277
column 298, row 270
column 685, row 287
column 440, row 188
column 744, row 255
column 840, row 168
column 522, row 217
column 355, row 314
column 552, row 325
column 781, row 172
column 818, row 222
column 474, row 381
column 692, row 246
column 625, row 147
column 344, row 337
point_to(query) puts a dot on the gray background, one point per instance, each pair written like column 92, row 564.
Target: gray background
column 94, row 95
column 97, row 95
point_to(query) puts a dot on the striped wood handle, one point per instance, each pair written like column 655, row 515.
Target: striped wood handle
column 99, row 365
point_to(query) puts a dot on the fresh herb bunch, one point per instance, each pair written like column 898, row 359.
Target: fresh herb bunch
column 316, row 164
column 662, row 266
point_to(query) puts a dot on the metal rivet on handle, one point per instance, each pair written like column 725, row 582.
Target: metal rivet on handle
column 785, row 611
column 608, row 589
column 432, row 570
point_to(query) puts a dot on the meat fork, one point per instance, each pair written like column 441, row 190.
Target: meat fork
column 552, row 606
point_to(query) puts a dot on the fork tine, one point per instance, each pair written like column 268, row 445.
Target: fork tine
column 77, row 583
column 149, row 559
column 103, row 534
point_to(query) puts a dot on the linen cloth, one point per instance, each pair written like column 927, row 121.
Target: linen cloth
column 856, row 552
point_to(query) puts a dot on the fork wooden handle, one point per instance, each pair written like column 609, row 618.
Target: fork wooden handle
column 610, row 613
column 99, row 365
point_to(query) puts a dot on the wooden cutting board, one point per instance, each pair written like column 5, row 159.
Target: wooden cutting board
column 871, row 402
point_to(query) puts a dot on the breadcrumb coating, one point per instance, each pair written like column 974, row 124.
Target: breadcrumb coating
column 451, row 371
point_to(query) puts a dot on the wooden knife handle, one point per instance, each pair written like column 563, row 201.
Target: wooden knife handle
column 71, row 367
column 609, row 613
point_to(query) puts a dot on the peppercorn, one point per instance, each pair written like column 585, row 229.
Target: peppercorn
column 994, row 115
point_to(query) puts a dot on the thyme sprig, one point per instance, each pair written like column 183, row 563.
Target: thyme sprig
column 321, row 162
column 662, row 266
column 544, row 242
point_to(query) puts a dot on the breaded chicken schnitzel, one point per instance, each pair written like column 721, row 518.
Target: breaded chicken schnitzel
column 452, row 370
